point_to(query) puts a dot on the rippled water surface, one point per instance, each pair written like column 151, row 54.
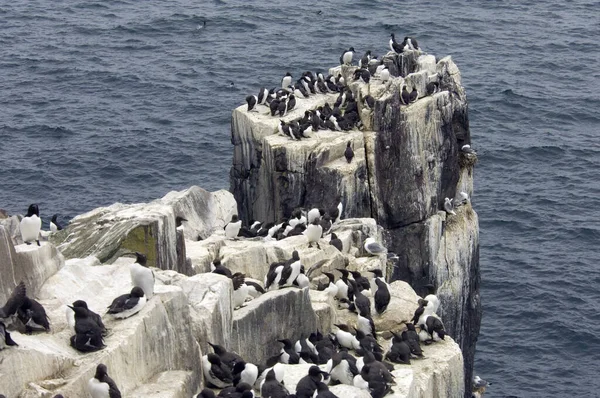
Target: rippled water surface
column 104, row 101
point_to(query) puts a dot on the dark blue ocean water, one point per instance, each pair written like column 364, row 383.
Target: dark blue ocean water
column 104, row 101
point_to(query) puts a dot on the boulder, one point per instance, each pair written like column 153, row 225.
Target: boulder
column 108, row 232
column 280, row 314
column 31, row 264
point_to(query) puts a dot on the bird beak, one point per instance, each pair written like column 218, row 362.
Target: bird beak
column 71, row 307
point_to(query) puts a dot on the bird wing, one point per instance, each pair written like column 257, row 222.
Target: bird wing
column 15, row 300
column 113, row 390
column 238, row 280
column 315, row 267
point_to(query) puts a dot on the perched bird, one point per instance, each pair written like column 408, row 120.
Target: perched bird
column 240, row 290
column 346, row 58
column 364, row 61
column 288, row 353
column 228, row 358
column 88, row 332
column 215, row 372
column 252, row 100
column 342, row 367
column 5, row 339
column 382, row 296
column 394, row 46
column 369, row 102
column 432, row 88
column 448, row 206
column 336, row 242
column 413, row 96
column 331, row 288
column 404, row 96
column 263, row 95
column 141, row 275
column 345, row 338
column 432, row 300
column 206, row 393
column 384, row 75
column 72, row 319
column 349, row 153
column 286, row 80
column 272, row 388
column 33, row 315
column 129, row 304
column 101, row 385
column 218, row 268
column 434, row 328
column 291, row 270
column 374, row 248
column 399, row 351
column 410, row 43
column 411, row 338
column 313, row 232
column 468, row 150
column 420, row 312
column 323, row 391
column 54, row 225
column 31, row 225
column 464, row 198
column 365, row 324
column 307, row 385
column 244, row 372
column 233, row 227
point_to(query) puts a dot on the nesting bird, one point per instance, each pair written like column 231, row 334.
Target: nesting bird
column 101, row 385
column 129, row 304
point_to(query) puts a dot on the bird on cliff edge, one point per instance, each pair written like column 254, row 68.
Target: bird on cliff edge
column 101, row 385
column 349, row 153
column 394, row 46
column 232, row 229
column 129, row 304
column 346, row 58
column 141, row 275
column 448, row 206
column 54, row 225
column 31, row 225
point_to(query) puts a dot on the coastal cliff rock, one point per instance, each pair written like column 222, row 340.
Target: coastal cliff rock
column 108, row 232
column 408, row 159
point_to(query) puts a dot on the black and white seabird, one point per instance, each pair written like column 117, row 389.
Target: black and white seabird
column 420, row 312
column 88, row 331
column 399, row 351
column 432, row 88
column 215, row 372
column 286, row 81
column 272, row 388
column 218, row 268
column 349, row 153
column 252, row 100
column 342, row 367
column 323, row 391
column 364, row 61
column 369, row 102
column 410, row 43
column 141, row 275
column 288, row 352
column 33, row 315
column 206, row 393
column 432, row 300
column 434, row 328
column 365, row 324
column 307, row 385
column 374, row 248
column 411, row 337
column 54, row 225
column 468, row 150
column 240, row 290
column 336, row 242
column 345, row 338
column 232, row 229
column 361, row 302
column 394, row 46
column 31, row 225
column 263, row 94
column 313, row 232
column 384, row 74
column 72, row 320
column 413, row 96
column 101, row 385
column 274, row 106
column 346, row 58
column 343, row 284
column 245, row 372
column 404, row 96
column 291, row 270
column 129, row 304
column 228, row 358
column 382, row 296
column 448, row 206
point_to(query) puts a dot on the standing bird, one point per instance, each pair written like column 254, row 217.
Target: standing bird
column 31, row 225
column 346, row 58
column 432, row 299
column 101, row 385
column 271, row 388
column 141, row 275
column 252, row 100
column 240, row 290
column 5, row 339
column 413, row 96
column 410, row 43
column 314, row 232
column 336, row 242
column 232, row 229
column 349, row 153
column 382, row 296
column 286, row 81
column 307, row 385
column 129, row 304
column 54, row 225
column 72, row 319
column 263, row 95
column 448, row 206
column 404, row 96
column 384, row 75
column 394, row 46
column 14, row 302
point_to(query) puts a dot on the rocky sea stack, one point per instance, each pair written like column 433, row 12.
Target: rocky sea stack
column 408, row 162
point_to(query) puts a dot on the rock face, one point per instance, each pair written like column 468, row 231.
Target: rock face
column 108, row 232
column 408, row 159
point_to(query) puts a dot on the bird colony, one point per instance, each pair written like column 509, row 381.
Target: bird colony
column 352, row 354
